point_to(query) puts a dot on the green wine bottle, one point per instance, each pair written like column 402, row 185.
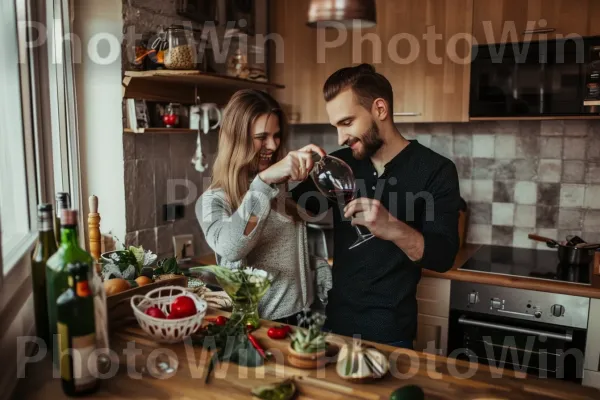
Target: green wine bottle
column 45, row 247
column 77, row 333
column 63, row 202
column 56, row 267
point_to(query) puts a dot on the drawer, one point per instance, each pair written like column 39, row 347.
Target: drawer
column 592, row 350
column 433, row 297
column 432, row 334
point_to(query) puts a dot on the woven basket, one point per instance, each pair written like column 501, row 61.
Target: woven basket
column 167, row 330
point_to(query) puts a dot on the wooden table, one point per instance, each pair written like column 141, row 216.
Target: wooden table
column 438, row 376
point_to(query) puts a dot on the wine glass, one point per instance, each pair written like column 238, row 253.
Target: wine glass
column 335, row 180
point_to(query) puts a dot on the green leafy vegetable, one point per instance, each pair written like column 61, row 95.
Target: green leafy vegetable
column 167, row 266
column 232, row 345
column 278, row 391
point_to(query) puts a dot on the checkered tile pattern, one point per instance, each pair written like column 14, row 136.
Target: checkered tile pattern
column 518, row 177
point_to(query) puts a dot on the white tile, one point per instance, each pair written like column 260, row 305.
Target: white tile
column 574, row 149
column 505, row 146
column 526, row 193
column 592, row 197
column 503, row 214
column 549, row 170
column 424, row 139
column 571, row 195
column 466, row 189
column 483, row 146
column 591, row 221
column 551, row 147
column 521, row 239
column 525, row 216
column 546, row 232
column 483, row 191
column 479, row 234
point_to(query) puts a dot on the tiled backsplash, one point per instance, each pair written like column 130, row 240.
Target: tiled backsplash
column 517, row 177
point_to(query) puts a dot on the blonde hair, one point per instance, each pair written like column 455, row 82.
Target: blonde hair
column 237, row 160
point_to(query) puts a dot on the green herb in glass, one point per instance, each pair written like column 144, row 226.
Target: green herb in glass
column 44, row 249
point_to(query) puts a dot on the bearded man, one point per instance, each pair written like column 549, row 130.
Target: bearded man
column 408, row 198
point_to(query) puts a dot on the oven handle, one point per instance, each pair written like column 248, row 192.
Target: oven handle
column 567, row 337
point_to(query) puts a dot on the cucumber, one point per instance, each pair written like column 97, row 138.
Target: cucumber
column 408, row 392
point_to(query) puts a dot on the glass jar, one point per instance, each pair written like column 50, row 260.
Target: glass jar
column 171, row 115
column 181, row 51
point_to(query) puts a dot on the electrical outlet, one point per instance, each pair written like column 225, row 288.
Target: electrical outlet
column 183, row 246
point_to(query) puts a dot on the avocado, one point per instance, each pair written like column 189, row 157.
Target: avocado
column 408, row 392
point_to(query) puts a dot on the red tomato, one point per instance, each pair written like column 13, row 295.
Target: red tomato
column 278, row 332
column 182, row 307
column 220, row 320
column 155, row 312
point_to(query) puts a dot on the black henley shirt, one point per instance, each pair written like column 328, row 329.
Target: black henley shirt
column 374, row 284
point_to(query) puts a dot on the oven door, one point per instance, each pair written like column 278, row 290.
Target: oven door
column 542, row 350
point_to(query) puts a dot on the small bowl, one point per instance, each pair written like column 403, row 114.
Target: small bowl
column 167, row 330
column 306, row 360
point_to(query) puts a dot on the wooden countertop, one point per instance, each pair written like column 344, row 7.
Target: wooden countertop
column 592, row 291
column 437, row 376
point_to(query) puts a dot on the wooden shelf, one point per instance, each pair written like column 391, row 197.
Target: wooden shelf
column 165, row 131
column 566, row 117
column 179, row 86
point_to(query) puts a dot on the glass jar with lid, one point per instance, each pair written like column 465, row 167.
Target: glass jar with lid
column 181, row 51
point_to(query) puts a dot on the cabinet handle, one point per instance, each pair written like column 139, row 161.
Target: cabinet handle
column 539, row 30
column 407, row 114
column 567, row 337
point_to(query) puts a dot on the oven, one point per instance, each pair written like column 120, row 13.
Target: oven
column 538, row 333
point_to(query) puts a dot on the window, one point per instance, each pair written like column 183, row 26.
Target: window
column 14, row 202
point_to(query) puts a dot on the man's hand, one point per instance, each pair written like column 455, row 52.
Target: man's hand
column 371, row 214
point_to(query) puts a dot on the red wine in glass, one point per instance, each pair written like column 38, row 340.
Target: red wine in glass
column 343, row 196
column 335, row 180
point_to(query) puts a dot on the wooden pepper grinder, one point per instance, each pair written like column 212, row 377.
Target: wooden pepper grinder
column 94, row 228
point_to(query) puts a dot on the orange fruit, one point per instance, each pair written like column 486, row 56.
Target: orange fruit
column 143, row 280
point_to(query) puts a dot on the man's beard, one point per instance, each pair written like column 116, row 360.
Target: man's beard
column 371, row 142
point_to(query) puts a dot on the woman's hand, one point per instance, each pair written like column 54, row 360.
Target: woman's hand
column 295, row 166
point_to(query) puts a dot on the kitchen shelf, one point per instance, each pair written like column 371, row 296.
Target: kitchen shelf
column 166, row 131
column 172, row 85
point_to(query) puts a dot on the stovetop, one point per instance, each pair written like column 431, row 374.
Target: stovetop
column 528, row 263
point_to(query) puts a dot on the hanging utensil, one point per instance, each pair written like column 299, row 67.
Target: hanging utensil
column 199, row 160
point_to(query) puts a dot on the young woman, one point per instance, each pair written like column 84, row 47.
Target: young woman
column 246, row 215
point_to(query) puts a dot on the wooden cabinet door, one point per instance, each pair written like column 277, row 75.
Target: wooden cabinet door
column 303, row 59
column 432, row 335
column 430, row 77
column 502, row 21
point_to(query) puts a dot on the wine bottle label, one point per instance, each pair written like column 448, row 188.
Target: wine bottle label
column 77, row 366
column 63, row 347
column 84, row 370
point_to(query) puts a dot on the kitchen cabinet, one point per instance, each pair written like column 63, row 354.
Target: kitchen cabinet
column 302, row 61
column 433, row 298
column 533, row 19
column 429, row 78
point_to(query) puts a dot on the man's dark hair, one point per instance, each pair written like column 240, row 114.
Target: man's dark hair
column 366, row 84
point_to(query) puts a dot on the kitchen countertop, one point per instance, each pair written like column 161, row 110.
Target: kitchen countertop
column 436, row 375
column 592, row 291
